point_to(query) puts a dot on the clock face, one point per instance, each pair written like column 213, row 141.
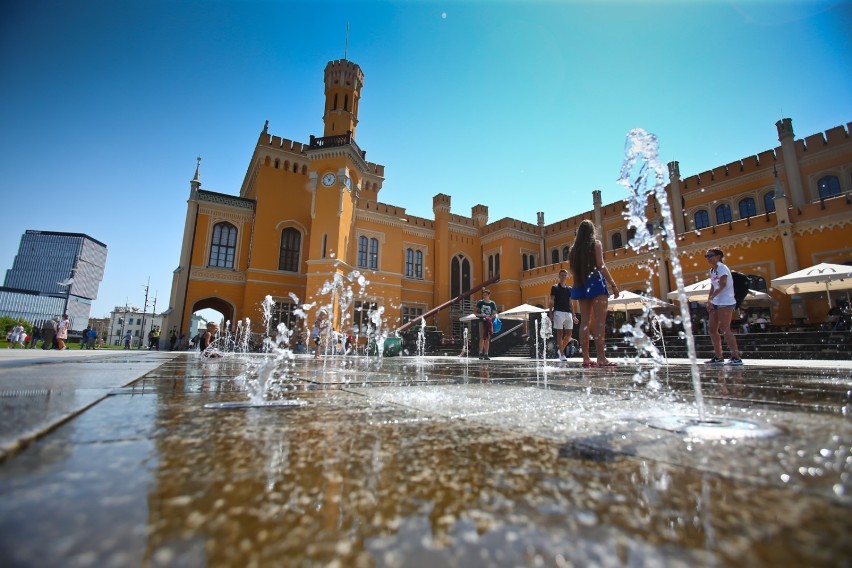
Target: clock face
column 328, row 179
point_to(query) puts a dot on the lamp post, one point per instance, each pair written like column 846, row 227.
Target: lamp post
column 67, row 284
column 144, row 309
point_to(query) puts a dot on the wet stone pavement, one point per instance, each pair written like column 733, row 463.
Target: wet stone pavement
column 418, row 462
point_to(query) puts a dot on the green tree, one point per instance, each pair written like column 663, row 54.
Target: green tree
column 7, row 323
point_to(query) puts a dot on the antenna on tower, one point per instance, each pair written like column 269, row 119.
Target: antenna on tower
column 346, row 49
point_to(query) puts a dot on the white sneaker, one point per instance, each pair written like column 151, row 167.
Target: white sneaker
column 562, row 358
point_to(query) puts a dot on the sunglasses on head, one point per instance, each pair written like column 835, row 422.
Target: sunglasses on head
column 711, row 255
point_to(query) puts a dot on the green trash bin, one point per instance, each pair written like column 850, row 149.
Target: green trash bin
column 392, row 347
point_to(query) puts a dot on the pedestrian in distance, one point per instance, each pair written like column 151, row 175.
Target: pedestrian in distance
column 720, row 306
column 320, row 333
column 562, row 313
column 486, row 311
column 62, row 332
column 590, row 290
column 48, row 332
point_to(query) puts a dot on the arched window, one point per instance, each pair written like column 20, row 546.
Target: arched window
column 565, row 251
column 828, row 186
column 374, row 254
column 490, row 265
column 747, row 208
column 418, row 264
column 723, row 214
column 277, row 163
column 459, row 276
column 362, row 251
column 616, row 241
column 409, row 263
column 554, row 256
column 291, row 244
column 532, row 261
column 769, row 201
column 497, row 264
column 702, row 219
column 631, row 234
column 224, row 245
column 525, row 260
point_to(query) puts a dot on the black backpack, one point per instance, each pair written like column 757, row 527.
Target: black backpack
column 741, row 286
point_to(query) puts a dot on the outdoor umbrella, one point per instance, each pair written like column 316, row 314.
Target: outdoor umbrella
column 823, row 277
column 699, row 291
column 521, row 312
column 626, row 301
column 694, row 292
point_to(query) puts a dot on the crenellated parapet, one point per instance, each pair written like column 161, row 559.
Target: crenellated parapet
column 441, row 203
column 764, row 161
column 279, row 143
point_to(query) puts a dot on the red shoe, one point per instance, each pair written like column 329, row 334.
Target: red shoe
column 590, row 365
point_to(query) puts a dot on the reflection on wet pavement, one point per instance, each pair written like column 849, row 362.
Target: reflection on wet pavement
column 438, row 462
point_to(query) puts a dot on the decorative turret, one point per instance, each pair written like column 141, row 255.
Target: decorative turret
column 441, row 203
column 791, row 161
column 195, row 184
column 343, row 82
column 480, row 215
column 598, row 212
column 676, row 197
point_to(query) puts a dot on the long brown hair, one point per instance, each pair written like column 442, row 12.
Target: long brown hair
column 582, row 253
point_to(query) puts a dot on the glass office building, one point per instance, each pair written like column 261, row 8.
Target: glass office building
column 53, row 273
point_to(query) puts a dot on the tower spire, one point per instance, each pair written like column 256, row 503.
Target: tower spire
column 195, row 184
column 346, row 48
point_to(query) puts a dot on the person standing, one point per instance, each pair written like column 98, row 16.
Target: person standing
column 172, row 339
column 154, row 339
column 62, row 332
column 35, row 337
column 128, row 338
column 84, row 339
column 92, row 338
column 590, row 279
column 562, row 313
column 720, row 306
column 320, row 333
column 16, row 337
column 48, row 332
column 486, row 311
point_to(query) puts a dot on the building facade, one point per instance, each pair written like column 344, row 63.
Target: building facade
column 124, row 318
column 54, row 273
column 307, row 228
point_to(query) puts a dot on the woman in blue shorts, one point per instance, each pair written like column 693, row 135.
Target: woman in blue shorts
column 590, row 278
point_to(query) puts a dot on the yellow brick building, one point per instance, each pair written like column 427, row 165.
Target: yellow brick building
column 309, row 213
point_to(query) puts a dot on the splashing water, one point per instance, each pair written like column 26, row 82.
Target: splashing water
column 640, row 168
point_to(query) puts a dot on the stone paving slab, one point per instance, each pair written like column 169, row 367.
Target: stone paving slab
column 437, row 462
column 41, row 389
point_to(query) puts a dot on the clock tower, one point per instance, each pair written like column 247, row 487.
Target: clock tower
column 337, row 172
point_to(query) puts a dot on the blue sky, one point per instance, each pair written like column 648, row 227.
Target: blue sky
column 520, row 106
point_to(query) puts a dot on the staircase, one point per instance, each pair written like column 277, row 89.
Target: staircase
column 817, row 345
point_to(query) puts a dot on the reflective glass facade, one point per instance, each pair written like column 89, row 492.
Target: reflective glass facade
column 51, row 266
